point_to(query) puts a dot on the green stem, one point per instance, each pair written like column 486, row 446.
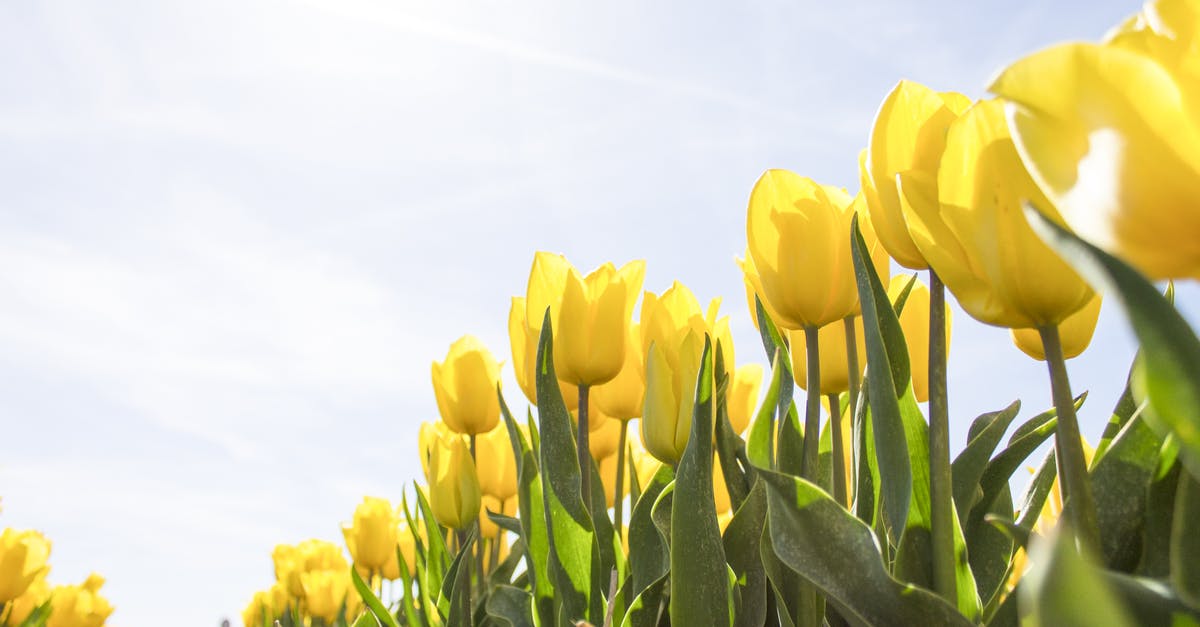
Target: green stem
column 809, row 468
column 941, row 488
column 618, row 490
column 1078, row 505
column 585, row 455
column 465, row 598
column 852, row 367
column 840, row 484
column 477, row 550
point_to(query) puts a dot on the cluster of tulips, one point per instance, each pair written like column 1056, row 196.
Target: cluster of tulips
column 756, row 508
column 26, row 597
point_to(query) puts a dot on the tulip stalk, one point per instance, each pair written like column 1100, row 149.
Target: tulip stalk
column 852, row 369
column 841, row 490
column 940, row 482
column 1078, row 504
column 478, row 550
column 809, row 467
column 582, row 450
column 618, row 490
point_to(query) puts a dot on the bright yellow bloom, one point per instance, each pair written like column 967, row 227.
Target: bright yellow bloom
column 266, row 606
column 524, row 340
column 907, row 137
column 496, row 463
column 742, row 399
column 914, row 321
column 589, row 334
column 465, row 386
column 1075, row 333
column 23, row 557
column 622, row 397
column 671, row 374
column 371, row 537
column 1111, row 134
column 79, row 606
column 293, row 561
column 979, row 242
column 34, row 596
column 831, row 350
column 454, row 493
column 487, row 528
column 798, row 235
column 603, row 442
column 324, row 593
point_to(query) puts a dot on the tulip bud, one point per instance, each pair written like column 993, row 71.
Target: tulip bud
column 914, row 322
column 671, row 373
column 324, row 593
column 1075, row 333
column 831, row 350
column 742, row 400
column 23, row 557
column 78, row 605
column 371, row 538
column 465, row 386
column 622, row 397
column 524, row 340
column 590, row 332
column 496, row 464
column 454, row 493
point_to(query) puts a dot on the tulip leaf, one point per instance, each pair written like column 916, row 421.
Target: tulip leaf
column 660, row 515
column 510, row 606
column 611, row 556
column 1120, row 483
column 366, row 620
column 408, row 602
column 776, row 346
column 985, row 434
column 1064, row 588
column 1168, row 368
column 1024, row 441
column 887, row 376
column 866, row 492
column 791, row 442
column 820, row 540
column 759, row 447
column 699, row 580
column 729, row 447
column 437, row 554
column 457, row 585
column 1160, row 513
column 791, row 598
column 647, row 607
column 1125, row 409
column 1150, row 601
column 648, row 559
column 502, row 572
column 1185, row 542
column 574, row 556
column 531, row 511
column 372, row 602
column 741, row 541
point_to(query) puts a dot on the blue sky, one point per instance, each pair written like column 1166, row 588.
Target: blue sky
column 233, row 236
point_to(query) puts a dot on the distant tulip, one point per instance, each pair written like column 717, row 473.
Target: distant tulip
column 914, row 321
column 622, row 397
column 831, row 349
column 465, row 385
column 23, row 557
column 524, row 340
column 590, row 333
column 454, row 493
column 1111, row 134
column 487, row 528
column 1075, row 333
column 979, row 241
column 908, row 136
column 603, row 441
column 34, row 596
column 742, row 400
column 324, row 593
column 371, row 538
column 79, row 606
column 496, row 464
column 293, row 561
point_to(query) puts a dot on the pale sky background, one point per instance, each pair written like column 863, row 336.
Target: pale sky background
column 234, row 235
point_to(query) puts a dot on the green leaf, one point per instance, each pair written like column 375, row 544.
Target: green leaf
column 1156, row 533
column 458, row 583
column 1125, row 409
column 699, row 583
column 761, row 437
column 437, row 555
column 648, row 559
column 887, row 377
column 408, row 602
column 824, row 543
column 1185, row 542
column 1065, row 589
column 1120, row 481
column 985, row 434
column 646, row 610
column 531, row 511
column 372, row 602
column 574, row 558
column 730, row 446
column 510, row 606
column 1168, row 369
column 741, row 541
column 502, row 573
column 366, row 619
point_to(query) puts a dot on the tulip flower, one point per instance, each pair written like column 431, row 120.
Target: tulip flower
column 23, row 557
column 907, row 137
column 524, row 340
column 34, row 596
column 496, row 464
column 371, row 537
column 1111, row 134
column 589, row 335
column 465, row 385
column 742, row 400
column 408, row 548
column 324, row 593
column 622, row 397
column 1076, row 333
column 914, row 321
column 834, row 371
column 454, row 493
column 604, row 441
column 79, row 605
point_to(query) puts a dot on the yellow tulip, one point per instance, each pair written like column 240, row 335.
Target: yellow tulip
column 79, row 606
column 429, row 435
column 465, row 385
column 907, row 137
column 603, row 442
column 371, row 537
column 266, row 606
column 622, row 397
column 798, row 234
column 496, row 464
column 1111, row 134
column 914, row 321
column 671, row 373
column 324, row 593
column 589, row 335
column 645, row 465
column 34, row 596
column 454, row 493
column 831, row 350
column 979, row 241
column 1075, row 333
column 742, row 401
column 723, row 520
column 487, row 528
column 608, row 477
column 23, row 557
column 524, row 340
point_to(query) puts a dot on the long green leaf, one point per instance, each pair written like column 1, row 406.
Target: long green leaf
column 1185, row 542
column 372, row 602
column 510, row 606
column 1065, row 589
column 531, row 511
column 741, row 541
column 1120, row 483
column 985, row 434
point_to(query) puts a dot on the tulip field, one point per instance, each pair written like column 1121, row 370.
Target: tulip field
column 646, row 475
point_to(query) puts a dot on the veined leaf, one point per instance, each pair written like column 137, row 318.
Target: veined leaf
column 511, row 606
column 1120, row 481
column 372, row 602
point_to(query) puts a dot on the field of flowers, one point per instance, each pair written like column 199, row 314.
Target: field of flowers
column 654, row 481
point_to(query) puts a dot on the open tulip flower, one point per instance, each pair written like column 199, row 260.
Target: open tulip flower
column 371, row 537
column 465, row 386
column 23, row 557
column 590, row 333
column 79, row 605
column 1111, row 134
column 524, row 340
